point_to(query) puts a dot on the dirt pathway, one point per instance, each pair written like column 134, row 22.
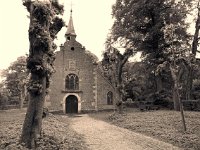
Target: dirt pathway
column 100, row 135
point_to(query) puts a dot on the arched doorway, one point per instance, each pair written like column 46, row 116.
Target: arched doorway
column 71, row 104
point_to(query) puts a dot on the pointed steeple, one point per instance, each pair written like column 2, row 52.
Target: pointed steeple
column 70, row 28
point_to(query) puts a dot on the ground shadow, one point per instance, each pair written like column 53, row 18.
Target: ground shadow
column 72, row 115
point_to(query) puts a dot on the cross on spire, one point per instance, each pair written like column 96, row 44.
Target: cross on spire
column 71, row 7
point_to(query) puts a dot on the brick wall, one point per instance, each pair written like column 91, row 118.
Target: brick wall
column 93, row 87
column 103, row 87
column 84, row 69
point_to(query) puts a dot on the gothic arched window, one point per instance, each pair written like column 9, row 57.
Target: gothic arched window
column 71, row 82
column 110, row 98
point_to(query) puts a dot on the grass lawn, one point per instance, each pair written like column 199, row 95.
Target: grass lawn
column 162, row 124
column 56, row 133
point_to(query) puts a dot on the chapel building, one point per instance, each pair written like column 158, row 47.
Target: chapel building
column 78, row 84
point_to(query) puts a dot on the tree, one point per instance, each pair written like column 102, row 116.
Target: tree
column 15, row 76
column 113, row 62
column 177, row 65
column 194, row 50
column 142, row 25
column 44, row 25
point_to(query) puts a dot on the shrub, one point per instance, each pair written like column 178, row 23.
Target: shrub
column 3, row 101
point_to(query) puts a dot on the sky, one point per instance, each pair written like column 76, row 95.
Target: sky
column 92, row 21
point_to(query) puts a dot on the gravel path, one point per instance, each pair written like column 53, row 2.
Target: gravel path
column 100, row 135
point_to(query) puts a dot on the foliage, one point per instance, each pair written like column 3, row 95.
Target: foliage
column 196, row 89
column 144, row 25
column 114, row 61
column 92, row 56
column 15, row 79
column 162, row 98
column 3, row 101
column 158, row 30
column 140, row 85
column 136, row 81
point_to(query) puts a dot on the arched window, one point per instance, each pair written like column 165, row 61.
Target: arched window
column 71, row 82
column 110, row 98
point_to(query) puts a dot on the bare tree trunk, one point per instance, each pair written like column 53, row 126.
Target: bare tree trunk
column 176, row 99
column 189, row 83
column 178, row 106
column 21, row 100
column 182, row 115
column 175, row 89
column 196, row 34
column 22, row 96
column 118, row 79
column 158, row 83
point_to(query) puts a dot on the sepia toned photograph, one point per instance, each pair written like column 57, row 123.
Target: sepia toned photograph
column 100, row 75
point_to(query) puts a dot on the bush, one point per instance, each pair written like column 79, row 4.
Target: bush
column 3, row 101
column 191, row 105
column 131, row 104
column 162, row 98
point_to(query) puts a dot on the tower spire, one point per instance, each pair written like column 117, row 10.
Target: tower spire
column 70, row 27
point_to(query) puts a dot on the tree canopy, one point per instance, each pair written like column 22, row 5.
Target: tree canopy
column 157, row 29
column 144, row 24
column 15, row 79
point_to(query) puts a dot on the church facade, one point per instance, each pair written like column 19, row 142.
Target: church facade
column 78, row 85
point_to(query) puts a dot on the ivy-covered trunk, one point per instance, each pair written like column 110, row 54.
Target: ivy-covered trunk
column 33, row 121
column 44, row 25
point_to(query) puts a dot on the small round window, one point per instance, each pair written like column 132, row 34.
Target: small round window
column 72, row 48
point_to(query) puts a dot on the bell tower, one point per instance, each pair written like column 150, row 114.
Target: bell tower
column 70, row 34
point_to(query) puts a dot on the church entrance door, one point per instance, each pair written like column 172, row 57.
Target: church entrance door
column 71, row 104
